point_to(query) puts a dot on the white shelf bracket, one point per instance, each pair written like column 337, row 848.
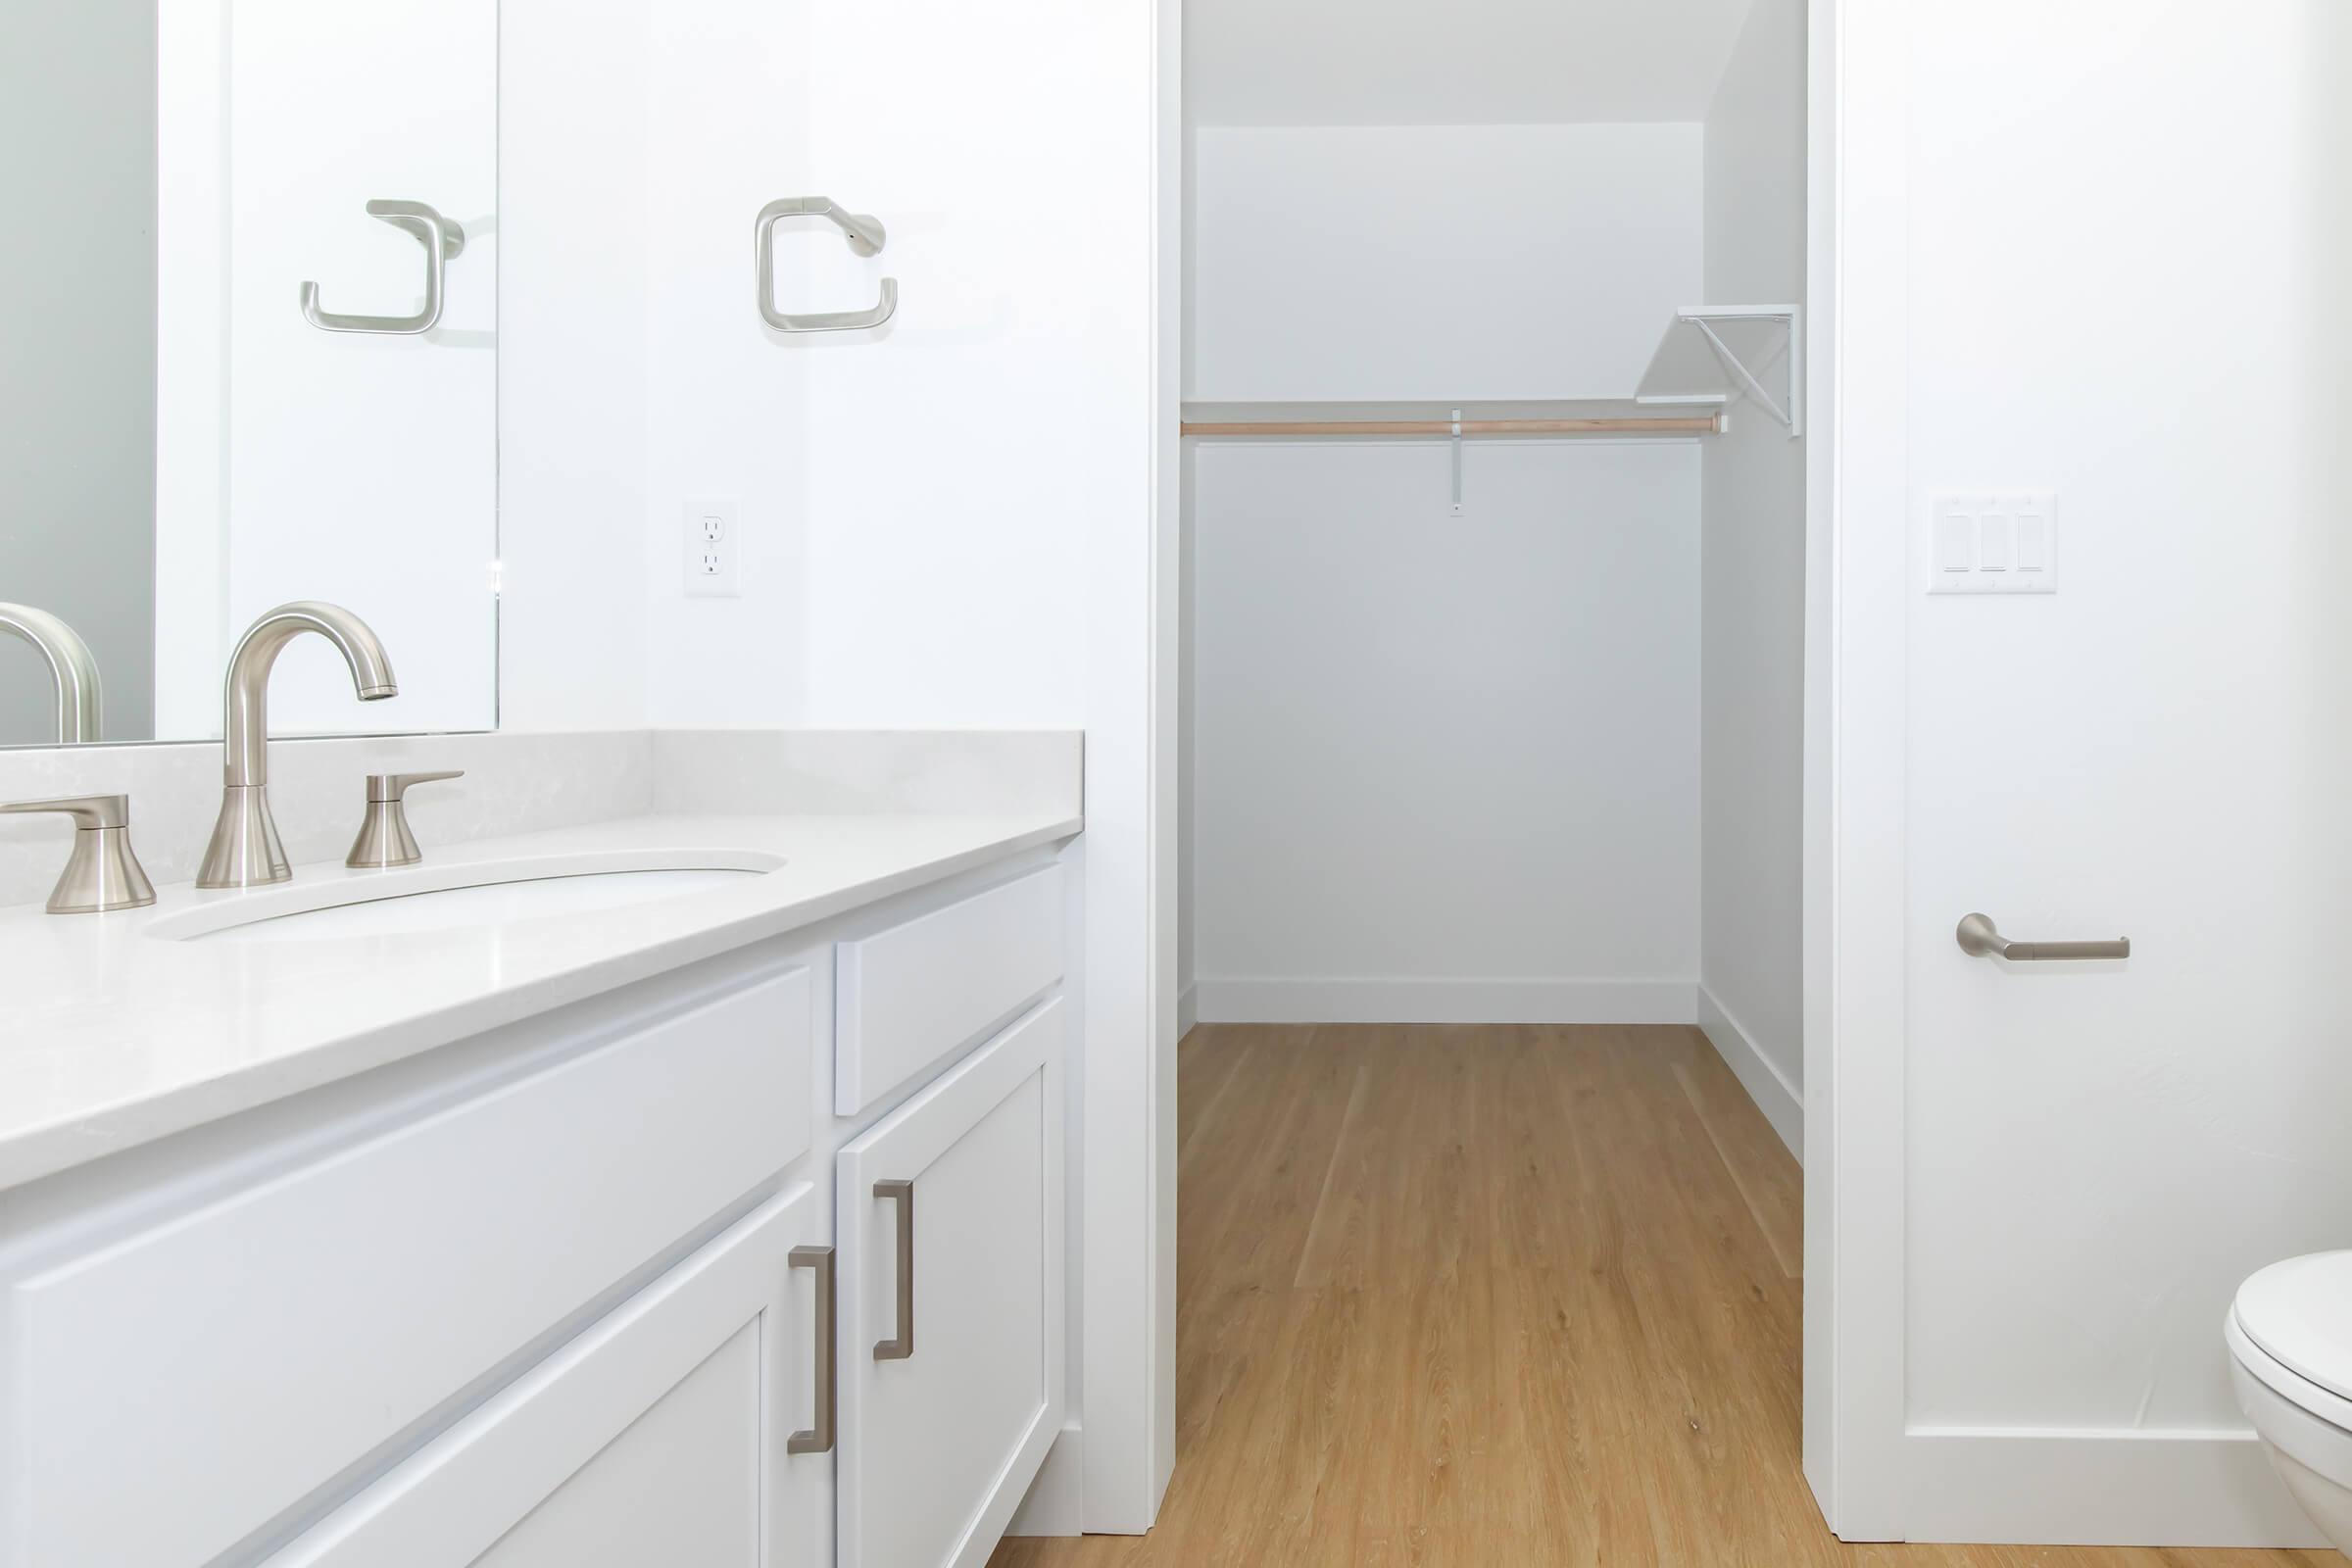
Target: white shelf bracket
column 1744, row 373
column 1790, row 409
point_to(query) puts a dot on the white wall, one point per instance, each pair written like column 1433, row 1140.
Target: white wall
column 572, row 411
column 1752, row 600
column 1435, row 261
column 1443, row 768
column 362, row 469
column 952, row 520
column 917, row 504
column 2096, row 1155
column 1448, row 770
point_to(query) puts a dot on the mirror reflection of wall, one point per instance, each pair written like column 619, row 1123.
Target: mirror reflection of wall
column 180, row 448
column 77, row 172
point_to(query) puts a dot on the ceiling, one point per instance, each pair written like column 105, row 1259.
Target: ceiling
column 1454, row 62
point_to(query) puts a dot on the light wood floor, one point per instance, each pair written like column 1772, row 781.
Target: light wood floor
column 1492, row 1296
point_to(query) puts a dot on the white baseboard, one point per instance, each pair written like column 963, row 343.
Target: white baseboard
column 1447, row 1000
column 2099, row 1487
column 1774, row 1095
column 1188, row 1010
column 1058, row 1493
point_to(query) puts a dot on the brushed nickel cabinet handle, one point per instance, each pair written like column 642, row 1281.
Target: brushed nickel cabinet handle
column 818, row 1439
column 901, row 1345
column 1980, row 939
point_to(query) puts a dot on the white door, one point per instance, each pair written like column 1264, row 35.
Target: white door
column 951, row 1226
column 663, row 1434
column 2157, row 745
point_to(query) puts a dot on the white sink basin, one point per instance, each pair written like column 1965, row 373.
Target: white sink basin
column 459, row 898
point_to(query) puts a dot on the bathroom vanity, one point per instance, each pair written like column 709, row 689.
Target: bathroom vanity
column 720, row 1221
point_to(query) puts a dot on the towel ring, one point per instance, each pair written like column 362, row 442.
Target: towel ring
column 867, row 237
column 443, row 239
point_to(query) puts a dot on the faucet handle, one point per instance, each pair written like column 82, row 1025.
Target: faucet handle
column 385, row 788
column 384, row 838
column 88, row 811
column 103, row 872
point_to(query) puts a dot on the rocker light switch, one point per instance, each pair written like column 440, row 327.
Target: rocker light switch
column 1994, row 542
column 1956, row 543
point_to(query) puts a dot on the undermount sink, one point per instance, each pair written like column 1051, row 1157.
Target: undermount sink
column 429, row 899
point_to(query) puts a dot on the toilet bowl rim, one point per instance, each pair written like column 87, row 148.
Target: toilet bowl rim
column 2321, row 1404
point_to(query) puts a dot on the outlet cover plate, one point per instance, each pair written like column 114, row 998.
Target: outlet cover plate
column 709, row 548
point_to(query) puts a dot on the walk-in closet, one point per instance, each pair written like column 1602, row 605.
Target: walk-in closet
column 1493, row 507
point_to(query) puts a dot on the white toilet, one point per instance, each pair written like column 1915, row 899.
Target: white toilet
column 2290, row 1356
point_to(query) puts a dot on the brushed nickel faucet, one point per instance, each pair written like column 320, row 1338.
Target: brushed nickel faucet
column 103, row 873
column 385, row 838
column 245, row 847
column 71, row 671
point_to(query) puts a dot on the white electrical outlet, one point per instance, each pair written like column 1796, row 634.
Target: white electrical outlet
column 1994, row 542
column 708, row 542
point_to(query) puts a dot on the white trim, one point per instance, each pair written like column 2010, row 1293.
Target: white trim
column 1856, row 658
column 2121, row 1488
column 1127, row 1324
column 1188, row 1010
column 1774, row 1095
column 1057, row 1500
column 1390, row 1000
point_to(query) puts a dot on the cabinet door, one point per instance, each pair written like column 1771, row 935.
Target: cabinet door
column 662, row 1434
column 951, row 1226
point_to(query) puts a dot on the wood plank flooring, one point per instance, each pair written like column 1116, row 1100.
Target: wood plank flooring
column 1492, row 1296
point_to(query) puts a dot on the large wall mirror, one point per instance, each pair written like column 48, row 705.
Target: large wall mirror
column 192, row 432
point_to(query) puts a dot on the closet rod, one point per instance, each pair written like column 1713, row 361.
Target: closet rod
column 1701, row 425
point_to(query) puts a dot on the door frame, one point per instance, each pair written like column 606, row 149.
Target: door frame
column 1854, row 942
column 1123, row 1160
column 1858, row 539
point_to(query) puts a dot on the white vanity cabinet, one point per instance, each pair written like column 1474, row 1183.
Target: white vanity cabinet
column 599, row 1289
column 663, row 1434
column 951, row 1226
column 201, row 1340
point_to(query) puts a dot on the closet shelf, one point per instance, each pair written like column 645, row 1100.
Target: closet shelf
column 1569, row 418
column 1712, row 353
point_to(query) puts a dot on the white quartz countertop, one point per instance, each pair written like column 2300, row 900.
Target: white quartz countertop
column 112, row 1036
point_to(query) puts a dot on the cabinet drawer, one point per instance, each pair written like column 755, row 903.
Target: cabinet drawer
column 943, row 1430
column 226, row 1366
column 658, row 1436
column 909, row 996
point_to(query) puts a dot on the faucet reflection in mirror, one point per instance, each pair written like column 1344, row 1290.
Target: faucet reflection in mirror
column 73, row 672
column 245, row 847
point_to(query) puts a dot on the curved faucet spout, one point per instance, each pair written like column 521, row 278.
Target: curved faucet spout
column 245, row 847
column 73, row 672
column 245, row 723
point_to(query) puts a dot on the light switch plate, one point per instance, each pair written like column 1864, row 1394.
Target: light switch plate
column 1992, row 542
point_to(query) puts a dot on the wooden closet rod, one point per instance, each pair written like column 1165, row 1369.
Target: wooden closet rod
column 1699, row 424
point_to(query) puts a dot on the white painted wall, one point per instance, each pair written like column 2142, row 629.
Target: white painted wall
column 1448, row 770
column 912, row 538
column 1465, row 63
column 1752, row 600
column 1412, row 263
column 951, row 521
column 1442, row 769
column 363, row 470
column 2094, row 1156
column 572, row 408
